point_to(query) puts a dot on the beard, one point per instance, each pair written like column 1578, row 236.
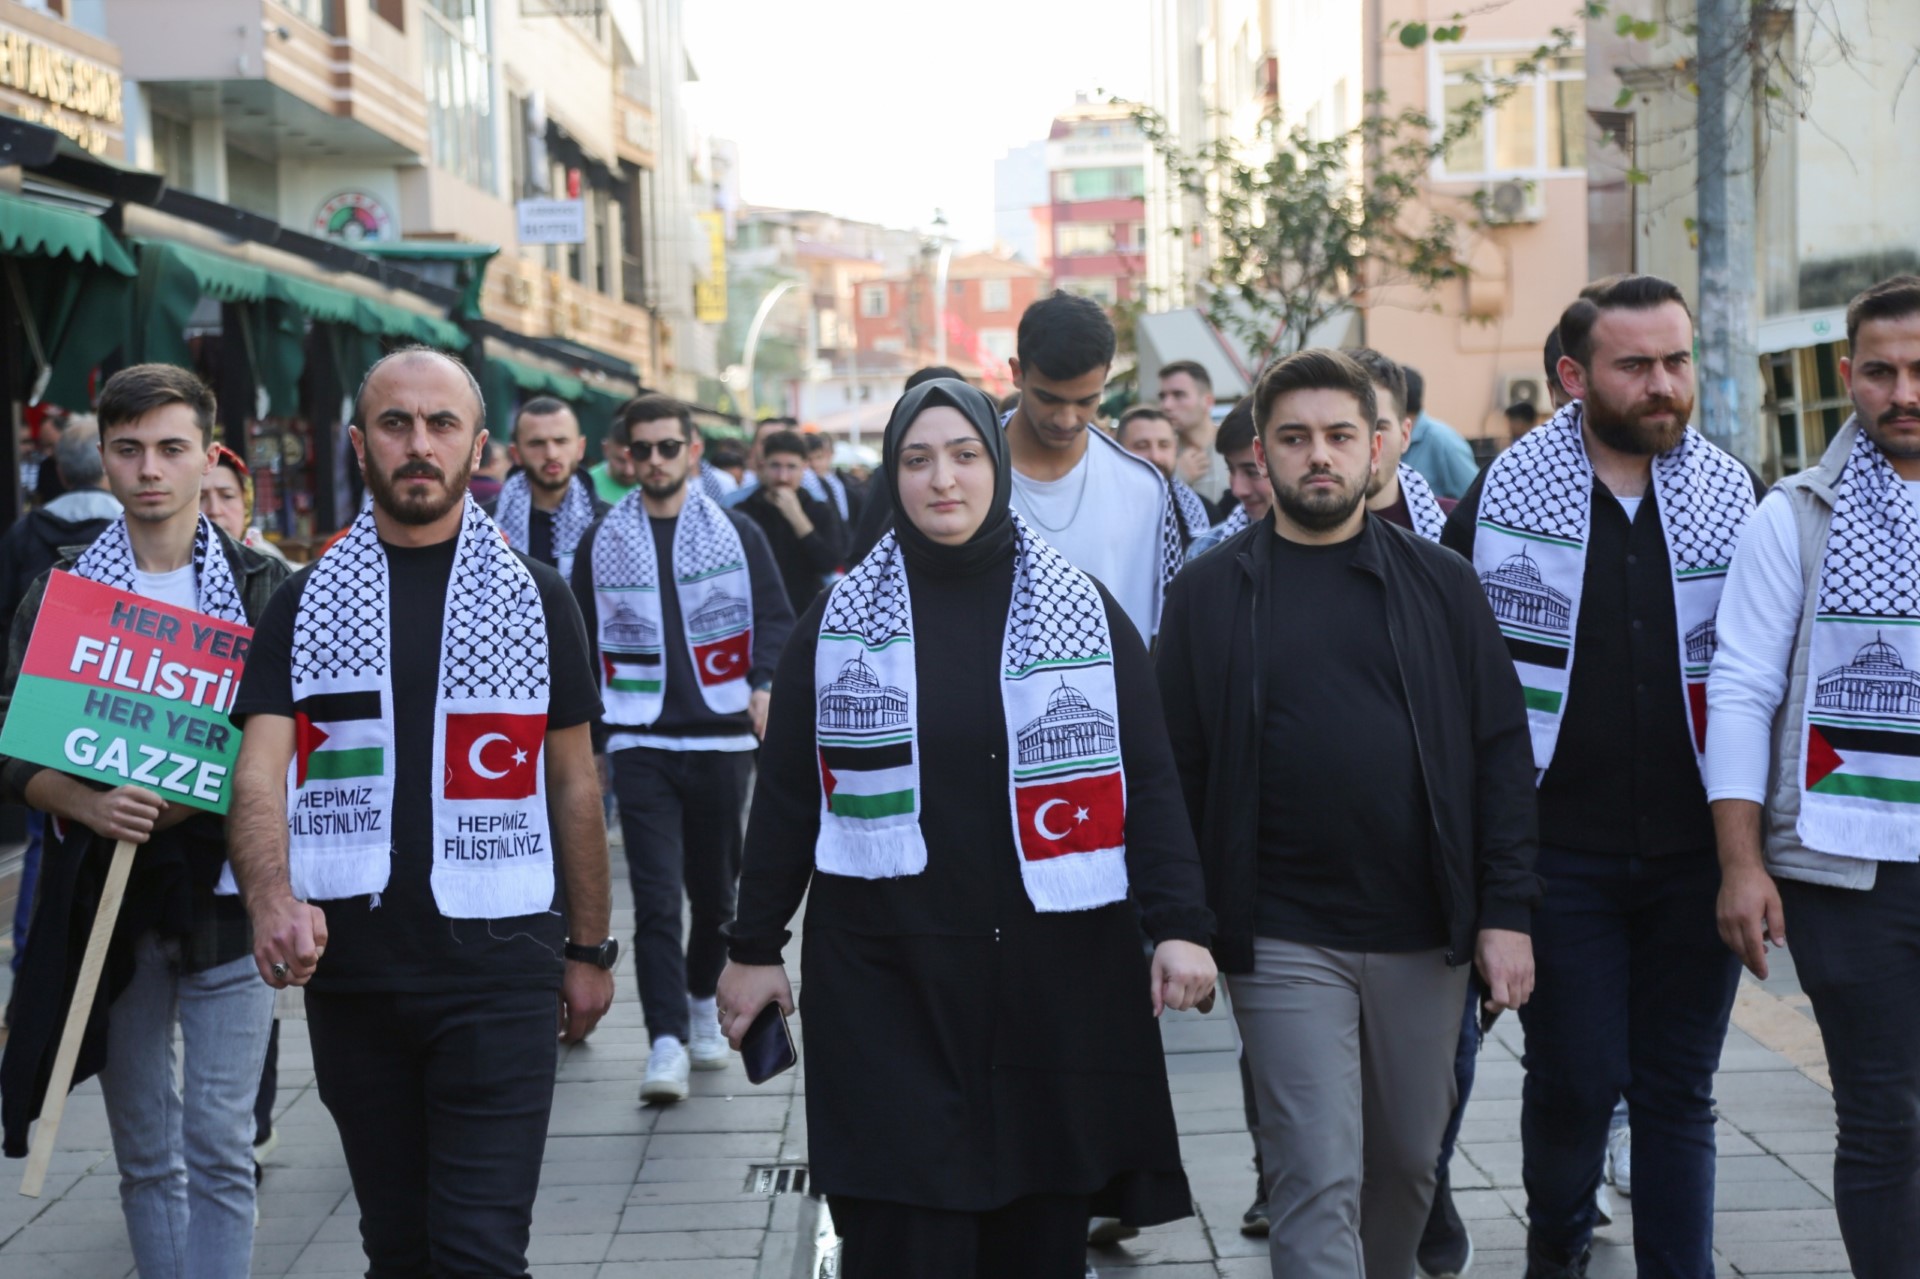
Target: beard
column 420, row 508
column 1883, row 439
column 664, row 490
column 1626, row 429
column 1319, row 511
column 540, row 482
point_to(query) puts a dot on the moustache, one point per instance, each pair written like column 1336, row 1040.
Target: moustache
column 1900, row 413
column 419, row 471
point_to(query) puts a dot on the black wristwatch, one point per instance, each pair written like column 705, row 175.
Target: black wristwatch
column 601, row 956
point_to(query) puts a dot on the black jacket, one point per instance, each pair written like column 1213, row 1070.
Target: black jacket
column 170, row 890
column 804, row 561
column 1469, row 723
column 33, row 545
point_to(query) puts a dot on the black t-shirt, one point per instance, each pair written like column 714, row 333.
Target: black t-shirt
column 540, row 536
column 398, row 940
column 1345, row 848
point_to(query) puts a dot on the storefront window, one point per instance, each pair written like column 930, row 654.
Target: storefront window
column 459, row 85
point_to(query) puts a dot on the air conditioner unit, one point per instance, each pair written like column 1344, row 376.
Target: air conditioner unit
column 1513, row 200
column 1525, row 388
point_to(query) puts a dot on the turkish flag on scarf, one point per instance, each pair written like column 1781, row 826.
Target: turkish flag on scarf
column 494, row 756
column 724, row 659
column 1079, row 815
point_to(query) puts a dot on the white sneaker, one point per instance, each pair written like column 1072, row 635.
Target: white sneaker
column 667, row 1066
column 1603, row 1204
column 707, row 1046
column 1620, row 1160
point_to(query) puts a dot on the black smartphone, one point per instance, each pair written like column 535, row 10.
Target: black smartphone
column 767, row 1047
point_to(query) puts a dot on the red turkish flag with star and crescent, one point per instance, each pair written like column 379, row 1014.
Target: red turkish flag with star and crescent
column 1077, row 815
column 494, row 756
column 724, row 659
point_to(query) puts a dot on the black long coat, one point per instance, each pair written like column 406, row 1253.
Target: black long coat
column 963, row 1049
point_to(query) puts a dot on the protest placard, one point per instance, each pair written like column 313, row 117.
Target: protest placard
column 121, row 689
column 118, row 688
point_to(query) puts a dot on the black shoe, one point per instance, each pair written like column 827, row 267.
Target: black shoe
column 1253, row 1222
column 1446, row 1248
column 1550, row 1263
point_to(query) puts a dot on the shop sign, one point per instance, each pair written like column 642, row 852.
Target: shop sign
column 75, row 96
column 710, row 294
column 353, row 216
column 552, row 221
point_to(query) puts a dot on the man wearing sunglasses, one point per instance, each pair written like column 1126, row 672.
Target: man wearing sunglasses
column 688, row 617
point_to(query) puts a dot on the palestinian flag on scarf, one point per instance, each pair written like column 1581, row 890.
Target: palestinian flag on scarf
column 338, row 736
column 631, row 672
column 868, row 776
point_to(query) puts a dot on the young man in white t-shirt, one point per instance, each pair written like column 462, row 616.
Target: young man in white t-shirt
column 183, row 951
column 1106, row 510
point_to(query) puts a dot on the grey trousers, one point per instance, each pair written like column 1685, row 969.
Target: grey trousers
column 1352, row 1059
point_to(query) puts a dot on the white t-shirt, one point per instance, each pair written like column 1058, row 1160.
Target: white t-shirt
column 175, row 588
column 1104, row 516
column 1631, row 505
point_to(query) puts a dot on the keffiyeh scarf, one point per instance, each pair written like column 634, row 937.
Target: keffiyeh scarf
column 492, row 849
column 1068, row 789
column 1422, row 505
column 1194, row 519
column 716, row 609
column 109, row 561
column 1530, row 551
column 1860, row 790
column 513, row 512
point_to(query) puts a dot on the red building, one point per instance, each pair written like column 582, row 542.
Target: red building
column 986, row 296
column 1095, row 221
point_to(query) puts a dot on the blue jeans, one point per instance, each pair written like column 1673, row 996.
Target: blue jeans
column 1632, row 996
column 1466, row 1059
column 186, row 1155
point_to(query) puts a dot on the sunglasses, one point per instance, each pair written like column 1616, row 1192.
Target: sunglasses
column 642, row 450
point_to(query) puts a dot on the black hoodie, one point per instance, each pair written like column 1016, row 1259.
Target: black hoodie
column 33, row 544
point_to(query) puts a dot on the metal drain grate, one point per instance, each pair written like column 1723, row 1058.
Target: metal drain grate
column 776, row 1179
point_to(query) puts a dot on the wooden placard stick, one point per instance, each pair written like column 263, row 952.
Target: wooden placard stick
column 47, row 1131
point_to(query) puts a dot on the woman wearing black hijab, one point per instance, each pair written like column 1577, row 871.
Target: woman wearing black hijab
column 966, row 768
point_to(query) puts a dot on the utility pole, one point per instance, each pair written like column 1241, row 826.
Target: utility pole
column 1730, row 392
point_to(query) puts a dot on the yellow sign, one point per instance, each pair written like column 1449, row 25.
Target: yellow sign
column 710, row 295
column 76, row 92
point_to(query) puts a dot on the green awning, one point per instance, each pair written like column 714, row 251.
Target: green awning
column 393, row 321
column 321, row 303
column 470, row 263
column 31, row 229
column 537, row 381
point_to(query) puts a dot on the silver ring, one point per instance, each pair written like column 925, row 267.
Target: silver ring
column 281, row 971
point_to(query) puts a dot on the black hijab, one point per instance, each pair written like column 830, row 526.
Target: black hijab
column 992, row 542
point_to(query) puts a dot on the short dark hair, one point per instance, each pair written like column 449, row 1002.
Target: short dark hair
column 817, row 443
column 1892, row 299
column 651, row 407
column 931, row 373
column 406, row 353
column 784, row 442
column 725, row 454
column 1416, row 402
column 1523, row 411
column 1384, row 372
column 139, row 389
column 1612, row 293
column 1137, row 413
column 1236, row 428
column 1320, row 369
column 1551, row 355
column 1192, row 368
column 540, row 406
column 1064, row 337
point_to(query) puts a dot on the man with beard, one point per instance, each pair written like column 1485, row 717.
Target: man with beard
column 1146, row 432
column 1247, row 483
column 417, row 755
column 1812, row 763
column 1352, row 745
column 1602, row 539
column 544, row 508
column 688, row 618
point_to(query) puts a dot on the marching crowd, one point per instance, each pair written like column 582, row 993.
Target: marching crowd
column 1048, row 728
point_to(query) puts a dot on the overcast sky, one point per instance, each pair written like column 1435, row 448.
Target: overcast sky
column 884, row 111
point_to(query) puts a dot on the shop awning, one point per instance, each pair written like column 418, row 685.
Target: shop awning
column 453, row 262
column 535, row 380
column 32, row 229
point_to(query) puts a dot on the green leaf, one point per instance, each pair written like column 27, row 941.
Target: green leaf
column 1637, row 178
column 1626, row 96
column 1646, row 30
column 1449, row 35
column 1413, row 35
column 1623, row 24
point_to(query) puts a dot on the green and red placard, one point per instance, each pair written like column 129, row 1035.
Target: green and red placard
column 123, row 689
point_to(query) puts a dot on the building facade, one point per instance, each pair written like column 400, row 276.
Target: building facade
column 1096, row 220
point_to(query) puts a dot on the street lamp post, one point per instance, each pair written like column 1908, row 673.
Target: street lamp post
column 753, row 341
column 940, row 288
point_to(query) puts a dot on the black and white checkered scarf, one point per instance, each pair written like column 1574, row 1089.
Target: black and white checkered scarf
column 109, row 561
column 513, row 512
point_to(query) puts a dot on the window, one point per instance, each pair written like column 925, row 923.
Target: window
column 1098, row 184
column 1538, row 128
column 996, row 295
column 459, row 85
column 873, row 301
column 1101, row 288
column 393, row 12
column 1082, row 239
column 1001, row 344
